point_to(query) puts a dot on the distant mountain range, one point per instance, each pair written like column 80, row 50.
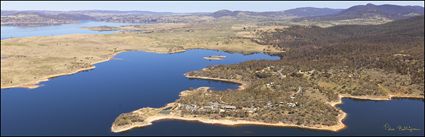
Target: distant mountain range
column 48, row 15
column 392, row 12
column 83, row 12
column 115, row 12
column 228, row 13
column 310, row 12
column 297, row 12
column 41, row 17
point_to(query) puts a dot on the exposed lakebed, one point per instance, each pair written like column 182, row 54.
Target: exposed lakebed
column 88, row 102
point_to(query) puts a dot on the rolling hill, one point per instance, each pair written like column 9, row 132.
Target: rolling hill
column 391, row 12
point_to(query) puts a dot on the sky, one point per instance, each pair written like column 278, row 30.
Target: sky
column 186, row 6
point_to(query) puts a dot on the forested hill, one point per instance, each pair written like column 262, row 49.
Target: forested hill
column 392, row 12
column 360, row 61
column 301, row 35
column 396, row 46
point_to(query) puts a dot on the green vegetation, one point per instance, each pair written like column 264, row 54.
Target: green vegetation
column 369, row 62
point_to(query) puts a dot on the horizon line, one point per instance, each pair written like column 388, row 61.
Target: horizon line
column 200, row 11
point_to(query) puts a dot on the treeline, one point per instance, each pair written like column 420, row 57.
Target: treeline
column 396, row 46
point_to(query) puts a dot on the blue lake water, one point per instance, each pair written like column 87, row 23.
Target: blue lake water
column 12, row 31
column 88, row 102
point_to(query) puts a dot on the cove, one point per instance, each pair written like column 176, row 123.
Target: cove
column 88, row 102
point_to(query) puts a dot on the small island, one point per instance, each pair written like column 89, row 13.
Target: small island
column 216, row 57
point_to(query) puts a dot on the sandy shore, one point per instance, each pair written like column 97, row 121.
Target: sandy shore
column 242, row 85
column 35, row 84
column 227, row 122
column 380, row 98
column 100, row 45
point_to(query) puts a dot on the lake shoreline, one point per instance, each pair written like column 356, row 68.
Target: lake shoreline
column 224, row 122
column 36, row 83
column 100, row 44
column 227, row 122
column 242, row 85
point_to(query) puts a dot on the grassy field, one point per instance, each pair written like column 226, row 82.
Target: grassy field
column 26, row 61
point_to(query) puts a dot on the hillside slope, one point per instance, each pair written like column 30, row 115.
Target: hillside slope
column 391, row 12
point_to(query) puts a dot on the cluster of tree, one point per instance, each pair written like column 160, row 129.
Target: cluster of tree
column 395, row 47
column 269, row 106
column 369, row 60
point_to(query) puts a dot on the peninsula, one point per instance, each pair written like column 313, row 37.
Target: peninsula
column 304, row 89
